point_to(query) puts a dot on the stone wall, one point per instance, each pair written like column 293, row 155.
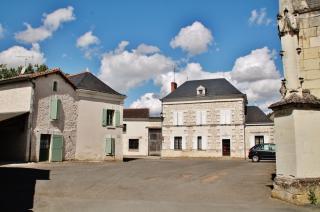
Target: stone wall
column 212, row 130
column 309, row 38
column 66, row 124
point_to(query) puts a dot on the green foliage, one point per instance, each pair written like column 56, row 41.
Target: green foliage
column 312, row 197
column 6, row 72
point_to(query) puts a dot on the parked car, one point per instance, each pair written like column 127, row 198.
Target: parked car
column 262, row 152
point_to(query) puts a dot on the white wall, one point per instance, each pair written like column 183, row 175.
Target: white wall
column 15, row 99
column 91, row 135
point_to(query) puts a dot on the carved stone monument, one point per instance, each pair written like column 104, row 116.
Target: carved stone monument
column 297, row 114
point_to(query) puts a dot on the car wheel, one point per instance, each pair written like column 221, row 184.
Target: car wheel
column 255, row 158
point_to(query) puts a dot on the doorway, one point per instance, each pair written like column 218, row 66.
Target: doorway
column 44, row 147
column 155, row 138
column 225, row 147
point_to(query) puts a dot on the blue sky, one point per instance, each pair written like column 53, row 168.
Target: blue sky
column 156, row 24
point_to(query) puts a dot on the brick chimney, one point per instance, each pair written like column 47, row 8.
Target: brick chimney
column 173, row 86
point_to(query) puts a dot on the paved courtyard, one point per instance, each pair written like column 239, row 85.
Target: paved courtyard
column 158, row 185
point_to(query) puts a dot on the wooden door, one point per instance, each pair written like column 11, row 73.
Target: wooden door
column 225, row 147
column 57, row 148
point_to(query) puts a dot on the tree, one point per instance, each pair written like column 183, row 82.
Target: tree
column 6, row 72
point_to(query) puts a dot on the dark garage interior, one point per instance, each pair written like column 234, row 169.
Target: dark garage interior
column 13, row 138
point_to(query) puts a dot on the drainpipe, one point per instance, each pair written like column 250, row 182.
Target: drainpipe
column 30, row 120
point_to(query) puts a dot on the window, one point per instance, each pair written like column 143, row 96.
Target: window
column 178, row 143
column 133, row 144
column 272, row 147
column 201, row 117
column 124, row 129
column 225, row 116
column 201, row 91
column 199, row 142
column 110, row 117
column 55, row 86
column 259, row 139
column 178, row 118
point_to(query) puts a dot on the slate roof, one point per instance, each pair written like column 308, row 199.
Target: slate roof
column 138, row 113
column 88, row 81
column 215, row 89
column 256, row 116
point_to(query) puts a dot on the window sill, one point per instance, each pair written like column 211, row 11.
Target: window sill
column 111, row 127
column 133, row 150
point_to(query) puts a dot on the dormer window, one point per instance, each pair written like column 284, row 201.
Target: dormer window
column 201, row 91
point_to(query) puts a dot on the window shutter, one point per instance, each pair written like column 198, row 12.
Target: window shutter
column 203, row 117
column 117, row 118
column 175, row 118
column 204, row 142
column 228, row 116
column 104, row 117
column 184, row 143
column 180, row 118
column 222, row 117
column 172, row 142
column 198, row 117
column 54, row 108
column 194, row 142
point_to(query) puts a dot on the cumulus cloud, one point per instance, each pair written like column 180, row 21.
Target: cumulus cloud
column 123, row 69
column 259, row 17
column 148, row 100
column 16, row 55
column 88, row 44
column 257, row 65
column 146, row 49
column 194, row 39
column 87, row 39
column 50, row 23
column 1, row 31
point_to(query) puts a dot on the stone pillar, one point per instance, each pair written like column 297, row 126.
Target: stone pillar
column 297, row 122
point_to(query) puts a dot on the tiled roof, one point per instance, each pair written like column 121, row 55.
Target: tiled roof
column 256, row 116
column 88, row 81
column 26, row 77
column 136, row 113
column 215, row 89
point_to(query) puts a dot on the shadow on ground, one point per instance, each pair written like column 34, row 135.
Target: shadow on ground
column 17, row 187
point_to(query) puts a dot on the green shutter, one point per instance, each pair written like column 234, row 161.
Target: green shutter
column 110, row 146
column 104, row 118
column 57, row 148
column 117, row 118
column 54, row 108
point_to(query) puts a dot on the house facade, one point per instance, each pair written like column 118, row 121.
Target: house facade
column 43, row 118
column 205, row 118
column 141, row 133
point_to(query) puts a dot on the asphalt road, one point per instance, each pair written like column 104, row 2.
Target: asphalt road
column 158, row 185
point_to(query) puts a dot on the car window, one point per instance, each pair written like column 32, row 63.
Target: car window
column 272, row 147
column 266, row 147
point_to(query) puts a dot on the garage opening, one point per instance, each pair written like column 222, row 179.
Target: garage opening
column 13, row 138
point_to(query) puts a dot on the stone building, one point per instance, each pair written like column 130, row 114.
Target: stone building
column 141, row 133
column 207, row 118
column 51, row 117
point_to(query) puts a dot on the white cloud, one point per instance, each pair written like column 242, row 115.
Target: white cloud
column 123, row 69
column 146, row 49
column 1, row 31
column 51, row 22
column 148, row 100
column 257, row 65
column 16, row 55
column 194, row 39
column 87, row 39
column 259, row 17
